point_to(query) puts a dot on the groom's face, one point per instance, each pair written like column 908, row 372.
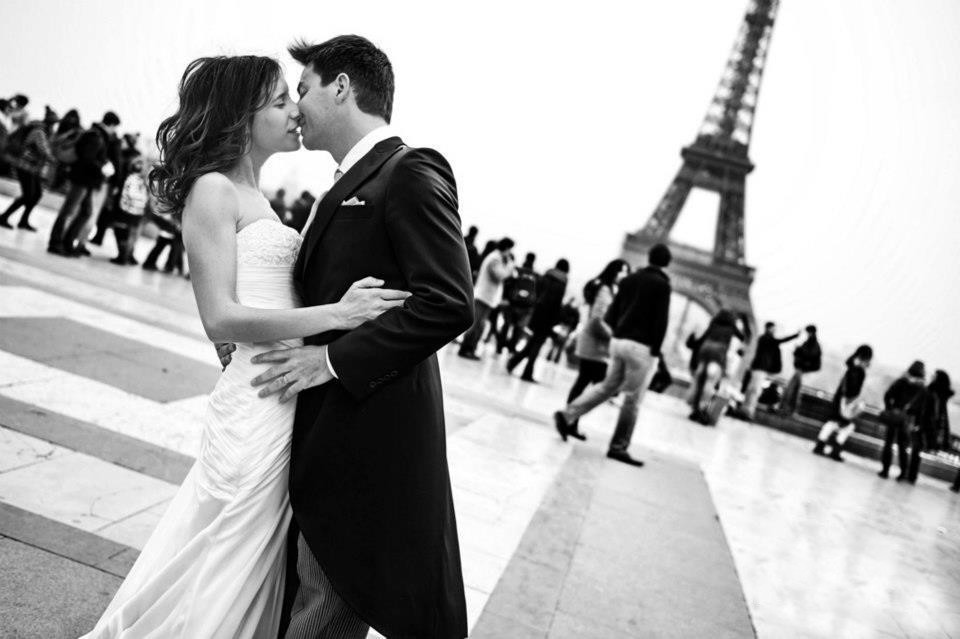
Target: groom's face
column 317, row 110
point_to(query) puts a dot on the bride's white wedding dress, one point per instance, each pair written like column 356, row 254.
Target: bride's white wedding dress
column 214, row 566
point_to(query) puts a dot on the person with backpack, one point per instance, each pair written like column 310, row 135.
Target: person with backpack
column 87, row 192
column 546, row 315
column 28, row 151
column 903, row 405
column 710, row 355
column 64, row 143
column 593, row 340
column 520, row 294
column 134, row 200
column 807, row 358
column 846, row 405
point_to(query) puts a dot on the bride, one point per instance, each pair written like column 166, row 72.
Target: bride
column 214, row 566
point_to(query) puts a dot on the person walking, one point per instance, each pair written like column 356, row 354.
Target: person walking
column 593, row 340
column 638, row 317
column 932, row 428
column 846, row 405
column 473, row 254
column 767, row 362
column 546, row 315
column 488, row 293
column 709, row 355
column 520, row 292
column 33, row 154
column 807, row 358
column 903, row 404
column 87, row 191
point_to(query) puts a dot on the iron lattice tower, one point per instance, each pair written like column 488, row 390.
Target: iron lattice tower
column 717, row 161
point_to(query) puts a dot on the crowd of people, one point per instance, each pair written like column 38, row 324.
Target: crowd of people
column 102, row 175
column 613, row 335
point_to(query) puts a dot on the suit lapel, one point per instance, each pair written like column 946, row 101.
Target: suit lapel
column 341, row 190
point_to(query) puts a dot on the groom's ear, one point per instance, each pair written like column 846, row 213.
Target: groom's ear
column 342, row 83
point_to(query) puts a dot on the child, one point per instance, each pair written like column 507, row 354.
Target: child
column 133, row 206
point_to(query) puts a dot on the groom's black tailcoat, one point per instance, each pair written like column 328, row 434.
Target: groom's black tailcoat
column 369, row 483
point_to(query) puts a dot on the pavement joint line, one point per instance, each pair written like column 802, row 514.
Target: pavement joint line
column 131, row 515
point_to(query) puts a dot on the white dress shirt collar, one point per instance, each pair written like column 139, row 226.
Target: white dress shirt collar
column 364, row 145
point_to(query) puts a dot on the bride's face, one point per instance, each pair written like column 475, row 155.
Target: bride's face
column 276, row 127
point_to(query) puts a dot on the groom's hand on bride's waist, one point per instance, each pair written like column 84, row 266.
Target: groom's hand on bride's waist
column 292, row 370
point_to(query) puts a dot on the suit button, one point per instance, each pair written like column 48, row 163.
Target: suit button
column 393, row 374
column 373, row 384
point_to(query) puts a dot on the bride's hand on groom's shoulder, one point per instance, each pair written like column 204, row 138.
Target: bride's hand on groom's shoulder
column 366, row 300
column 224, row 353
column 293, row 370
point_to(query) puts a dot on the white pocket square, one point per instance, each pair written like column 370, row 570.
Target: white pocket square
column 354, row 201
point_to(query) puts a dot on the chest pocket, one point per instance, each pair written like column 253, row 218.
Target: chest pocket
column 353, row 213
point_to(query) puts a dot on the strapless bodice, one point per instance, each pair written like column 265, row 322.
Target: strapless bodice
column 266, row 255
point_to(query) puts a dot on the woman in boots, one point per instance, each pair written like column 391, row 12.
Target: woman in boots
column 846, row 405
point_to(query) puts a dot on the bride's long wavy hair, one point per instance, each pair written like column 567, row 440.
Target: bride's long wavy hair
column 211, row 129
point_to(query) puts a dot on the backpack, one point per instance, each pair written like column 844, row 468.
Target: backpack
column 17, row 142
column 523, row 292
column 65, row 146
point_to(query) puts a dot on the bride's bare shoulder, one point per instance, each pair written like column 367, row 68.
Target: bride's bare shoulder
column 213, row 194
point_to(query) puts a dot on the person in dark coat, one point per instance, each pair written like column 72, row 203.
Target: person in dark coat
column 932, row 428
column 807, row 358
column 119, row 152
column 35, row 155
column 546, row 315
column 903, row 405
column 87, row 191
column 369, row 483
column 638, row 318
column 766, row 362
column 473, row 255
column 710, row 353
column 846, row 405
column 520, row 292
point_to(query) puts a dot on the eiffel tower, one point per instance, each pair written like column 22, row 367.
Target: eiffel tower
column 717, row 161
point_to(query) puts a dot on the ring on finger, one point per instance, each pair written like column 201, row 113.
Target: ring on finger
column 283, row 379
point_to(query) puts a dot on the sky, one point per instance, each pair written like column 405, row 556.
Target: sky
column 564, row 122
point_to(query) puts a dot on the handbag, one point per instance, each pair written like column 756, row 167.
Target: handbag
column 848, row 408
column 900, row 417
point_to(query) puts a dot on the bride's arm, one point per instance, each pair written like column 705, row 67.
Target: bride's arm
column 209, row 234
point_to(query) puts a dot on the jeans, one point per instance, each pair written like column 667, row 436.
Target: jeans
column 791, row 395
column 631, row 367
column 472, row 338
column 530, row 352
column 758, row 379
column 77, row 209
column 31, row 190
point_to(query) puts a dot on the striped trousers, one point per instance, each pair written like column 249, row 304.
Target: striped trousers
column 318, row 611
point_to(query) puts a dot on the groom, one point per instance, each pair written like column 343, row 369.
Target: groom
column 369, row 484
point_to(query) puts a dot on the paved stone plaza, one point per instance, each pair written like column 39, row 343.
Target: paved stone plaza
column 734, row 531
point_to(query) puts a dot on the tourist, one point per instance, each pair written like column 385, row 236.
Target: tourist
column 546, row 314
column 638, row 316
column 903, row 404
column 767, row 362
column 846, row 405
column 593, row 340
column 473, row 255
column 520, row 292
column 932, row 429
column 488, row 292
column 133, row 204
column 807, row 358
column 29, row 153
column 710, row 352
column 87, row 192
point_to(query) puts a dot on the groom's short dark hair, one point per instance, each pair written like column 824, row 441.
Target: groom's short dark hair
column 369, row 69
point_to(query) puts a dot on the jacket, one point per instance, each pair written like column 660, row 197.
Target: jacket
column 549, row 304
column 641, row 309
